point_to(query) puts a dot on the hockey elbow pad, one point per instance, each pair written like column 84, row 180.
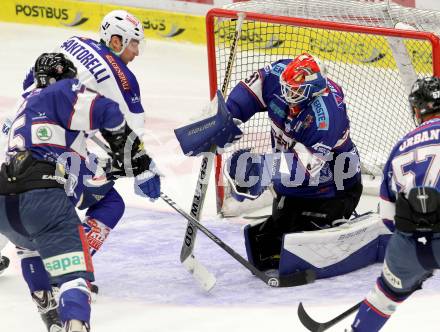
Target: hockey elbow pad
column 128, row 153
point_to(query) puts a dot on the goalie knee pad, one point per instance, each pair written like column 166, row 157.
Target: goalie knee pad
column 262, row 247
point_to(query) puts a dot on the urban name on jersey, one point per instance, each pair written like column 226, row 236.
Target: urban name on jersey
column 424, row 136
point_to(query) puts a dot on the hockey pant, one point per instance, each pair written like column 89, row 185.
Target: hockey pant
column 58, row 237
column 100, row 219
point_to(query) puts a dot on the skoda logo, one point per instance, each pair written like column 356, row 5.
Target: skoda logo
column 44, row 133
column 273, row 282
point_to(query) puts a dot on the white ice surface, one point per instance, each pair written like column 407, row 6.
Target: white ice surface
column 143, row 286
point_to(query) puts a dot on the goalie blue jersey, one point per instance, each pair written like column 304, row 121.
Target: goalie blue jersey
column 310, row 141
column 56, row 120
column 413, row 162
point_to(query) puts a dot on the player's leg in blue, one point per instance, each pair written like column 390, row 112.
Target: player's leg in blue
column 101, row 218
column 65, row 254
column 401, row 276
column 38, row 281
column 58, row 236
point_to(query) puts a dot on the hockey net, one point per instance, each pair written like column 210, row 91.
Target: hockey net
column 374, row 62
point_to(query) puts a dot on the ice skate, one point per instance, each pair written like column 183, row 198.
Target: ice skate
column 47, row 307
column 75, row 326
column 4, row 263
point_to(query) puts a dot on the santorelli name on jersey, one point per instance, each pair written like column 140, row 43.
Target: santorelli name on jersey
column 424, row 136
column 93, row 65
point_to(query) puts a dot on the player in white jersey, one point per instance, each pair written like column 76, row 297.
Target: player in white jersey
column 102, row 66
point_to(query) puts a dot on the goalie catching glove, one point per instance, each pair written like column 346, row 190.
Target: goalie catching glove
column 248, row 174
column 217, row 130
column 131, row 159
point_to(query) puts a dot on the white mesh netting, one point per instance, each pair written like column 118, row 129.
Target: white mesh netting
column 374, row 70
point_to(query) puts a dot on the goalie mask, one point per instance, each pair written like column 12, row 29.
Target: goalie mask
column 424, row 98
column 52, row 67
column 302, row 79
column 121, row 23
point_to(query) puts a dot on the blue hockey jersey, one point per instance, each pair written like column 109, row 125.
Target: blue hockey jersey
column 56, row 120
column 414, row 161
column 310, row 141
column 103, row 71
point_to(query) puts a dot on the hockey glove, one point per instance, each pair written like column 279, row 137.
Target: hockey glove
column 248, row 174
column 128, row 154
column 218, row 130
column 148, row 183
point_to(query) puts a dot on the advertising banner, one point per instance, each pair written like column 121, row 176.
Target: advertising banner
column 88, row 15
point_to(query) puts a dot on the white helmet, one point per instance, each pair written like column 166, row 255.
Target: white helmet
column 121, row 23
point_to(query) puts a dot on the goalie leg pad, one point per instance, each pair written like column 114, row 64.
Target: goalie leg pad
column 334, row 251
column 263, row 245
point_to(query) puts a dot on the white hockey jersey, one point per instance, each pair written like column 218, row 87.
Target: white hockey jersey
column 103, row 71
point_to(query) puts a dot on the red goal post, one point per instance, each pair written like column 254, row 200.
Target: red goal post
column 368, row 61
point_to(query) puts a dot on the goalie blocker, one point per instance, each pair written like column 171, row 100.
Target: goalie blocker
column 329, row 252
column 218, row 130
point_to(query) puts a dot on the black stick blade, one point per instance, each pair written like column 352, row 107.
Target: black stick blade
column 314, row 326
column 297, row 278
column 308, row 322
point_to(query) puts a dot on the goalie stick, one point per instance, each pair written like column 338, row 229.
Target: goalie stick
column 314, row 326
column 202, row 275
column 187, row 258
column 294, row 279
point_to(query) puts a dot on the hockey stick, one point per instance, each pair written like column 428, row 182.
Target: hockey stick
column 294, row 279
column 314, row 326
column 186, row 254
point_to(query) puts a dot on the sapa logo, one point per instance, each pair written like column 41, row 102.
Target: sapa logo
column 66, row 263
